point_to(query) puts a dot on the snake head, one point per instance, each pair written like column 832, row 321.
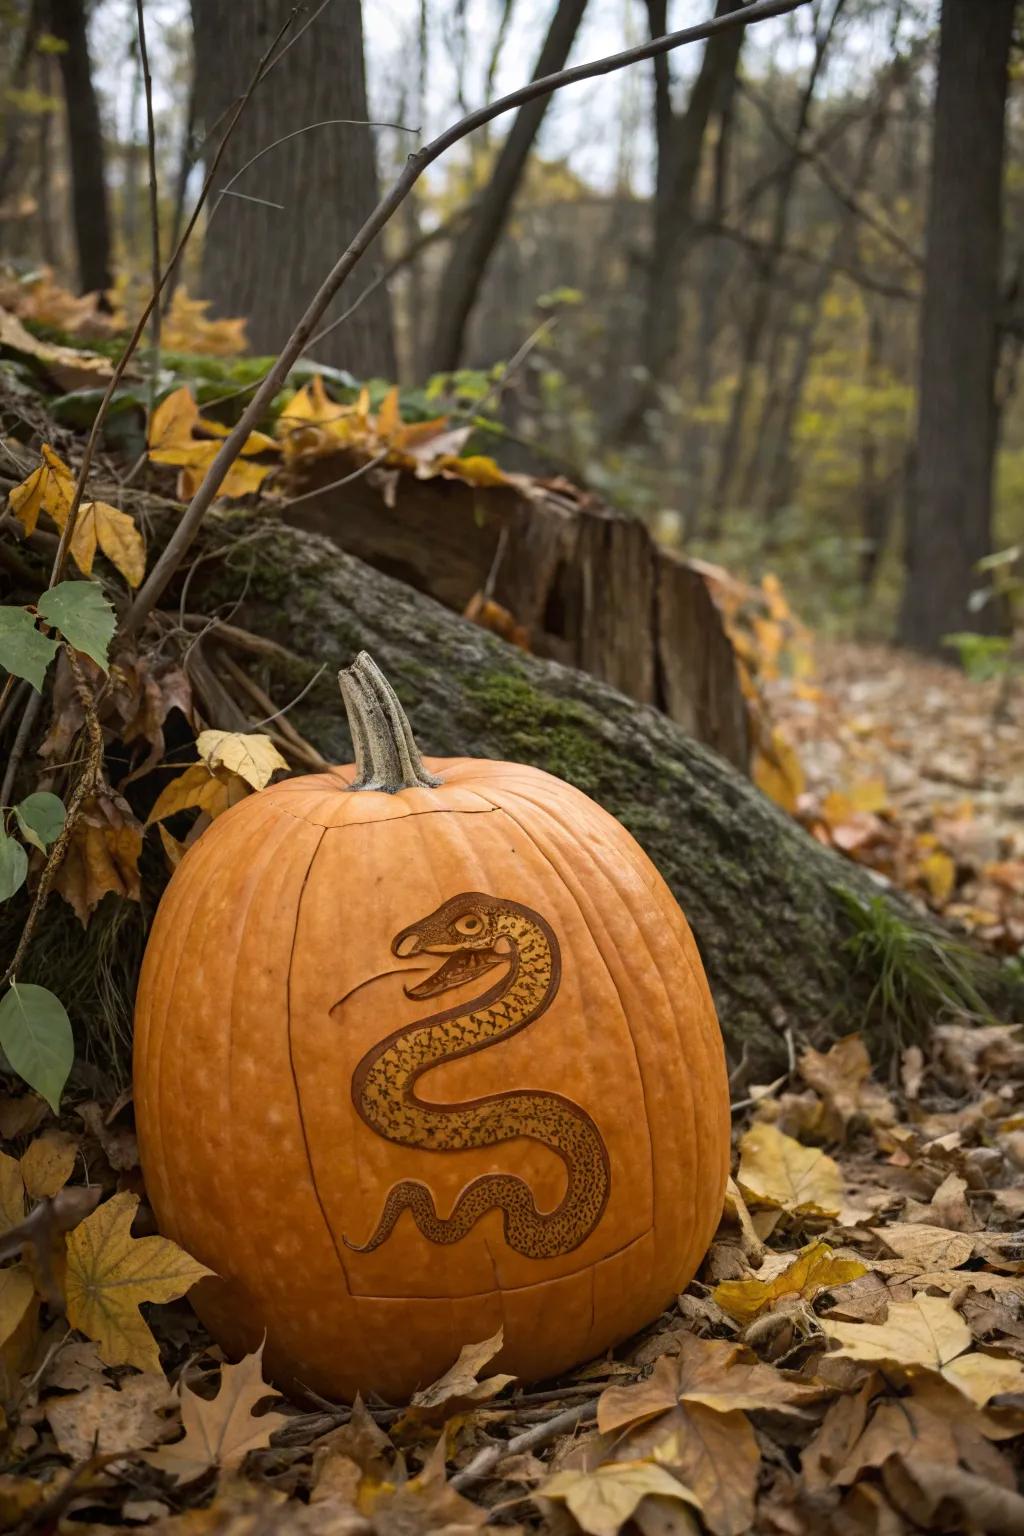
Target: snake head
column 464, row 930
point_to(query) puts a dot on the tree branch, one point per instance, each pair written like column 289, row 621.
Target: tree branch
column 155, row 585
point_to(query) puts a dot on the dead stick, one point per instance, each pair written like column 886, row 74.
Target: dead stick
column 155, row 585
column 529, row 1440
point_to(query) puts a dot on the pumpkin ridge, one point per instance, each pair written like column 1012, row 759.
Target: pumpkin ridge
column 291, row 1063
column 185, row 950
column 562, row 878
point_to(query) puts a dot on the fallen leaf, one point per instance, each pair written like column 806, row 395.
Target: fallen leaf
column 98, row 523
column 221, row 1431
column 68, row 367
column 102, row 855
column 459, row 1386
column 981, row 1376
column 16, row 1292
column 718, row 1375
column 715, row 1456
column 108, row 1420
column 109, row 1273
column 198, row 787
column 928, row 1247
column 814, row 1269
column 47, row 1163
column 253, row 758
column 926, row 1331
column 777, row 1171
column 603, row 1500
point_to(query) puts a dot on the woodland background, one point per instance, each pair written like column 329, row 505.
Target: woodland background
column 757, row 338
column 670, row 440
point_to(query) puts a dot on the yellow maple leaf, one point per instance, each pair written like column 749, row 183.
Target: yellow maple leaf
column 253, row 757
column 777, row 772
column 389, row 416
column 477, row 469
column 51, row 488
column 775, row 1170
column 186, row 328
column 221, row 1431
column 309, row 406
column 109, row 1273
column 812, row 1270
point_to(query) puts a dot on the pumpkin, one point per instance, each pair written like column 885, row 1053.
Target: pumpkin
column 424, row 1050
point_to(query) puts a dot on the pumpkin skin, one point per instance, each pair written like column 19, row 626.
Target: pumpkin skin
column 271, row 1109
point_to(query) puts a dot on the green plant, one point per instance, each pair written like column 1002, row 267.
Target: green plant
column 915, row 971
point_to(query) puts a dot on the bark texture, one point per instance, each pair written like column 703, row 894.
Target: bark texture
column 473, row 249
column 89, row 206
column 760, row 894
column 588, row 584
column 264, row 262
column 950, row 516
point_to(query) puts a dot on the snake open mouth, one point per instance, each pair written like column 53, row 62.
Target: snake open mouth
column 457, row 968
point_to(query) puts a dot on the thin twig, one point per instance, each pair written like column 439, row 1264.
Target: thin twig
column 328, row 122
column 529, row 1440
column 155, row 585
column 60, row 559
column 154, row 211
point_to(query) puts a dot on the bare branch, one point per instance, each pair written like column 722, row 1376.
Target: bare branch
column 153, row 588
column 154, row 212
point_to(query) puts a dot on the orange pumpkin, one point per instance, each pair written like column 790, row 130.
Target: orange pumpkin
column 423, row 1050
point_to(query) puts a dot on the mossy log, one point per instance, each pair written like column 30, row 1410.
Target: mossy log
column 764, row 899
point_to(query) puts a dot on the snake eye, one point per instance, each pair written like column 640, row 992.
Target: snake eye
column 470, row 925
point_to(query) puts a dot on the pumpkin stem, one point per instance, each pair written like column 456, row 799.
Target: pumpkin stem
column 387, row 757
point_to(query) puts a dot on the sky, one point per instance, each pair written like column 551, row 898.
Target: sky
column 584, row 123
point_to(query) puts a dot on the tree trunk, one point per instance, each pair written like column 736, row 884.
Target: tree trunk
column 950, row 523
column 759, row 314
column 265, row 262
column 467, row 264
column 762, row 896
column 680, row 142
column 90, row 209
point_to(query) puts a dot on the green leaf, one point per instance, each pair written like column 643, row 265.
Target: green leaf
column 83, row 616
column 23, row 650
column 36, row 1038
column 40, row 817
column 13, row 866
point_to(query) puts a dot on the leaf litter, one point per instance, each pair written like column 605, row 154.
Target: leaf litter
column 849, row 1358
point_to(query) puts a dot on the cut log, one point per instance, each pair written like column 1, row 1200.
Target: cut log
column 764, row 899
column 589, row 584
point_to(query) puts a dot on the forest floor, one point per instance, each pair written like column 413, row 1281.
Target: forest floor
column 849, row 1359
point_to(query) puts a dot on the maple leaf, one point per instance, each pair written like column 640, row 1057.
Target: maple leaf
column 603, row 1500
column 718, row 1375
column 814, row 1269
column 777, row 1171
column 459, row 1386
column 253, row 758
column 927, row 1331
column 109, row 1273
column 102, row 855
column 926, row 1246
column 220, row 1432
column 186, row 328
column 716, row 1456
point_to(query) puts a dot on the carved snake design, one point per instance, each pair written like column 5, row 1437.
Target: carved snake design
column 477, row 933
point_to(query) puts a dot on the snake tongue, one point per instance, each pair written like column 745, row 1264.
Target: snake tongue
column 458, row 968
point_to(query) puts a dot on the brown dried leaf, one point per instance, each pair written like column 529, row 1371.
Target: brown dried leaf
column 47, row 1163
column 107, row 1420
column 777, row 1171
column 926, row 1331
column 927, row 1247
column 715, row 1455
column 220, row 1432
column 459, row 1387
column 102, row 856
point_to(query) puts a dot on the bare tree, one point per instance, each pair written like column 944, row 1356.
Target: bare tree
column 268, row 246
column 949, row 521
column 90, row 211
column 470, row 255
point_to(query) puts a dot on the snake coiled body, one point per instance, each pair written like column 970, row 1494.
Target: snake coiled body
column 477, row 933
